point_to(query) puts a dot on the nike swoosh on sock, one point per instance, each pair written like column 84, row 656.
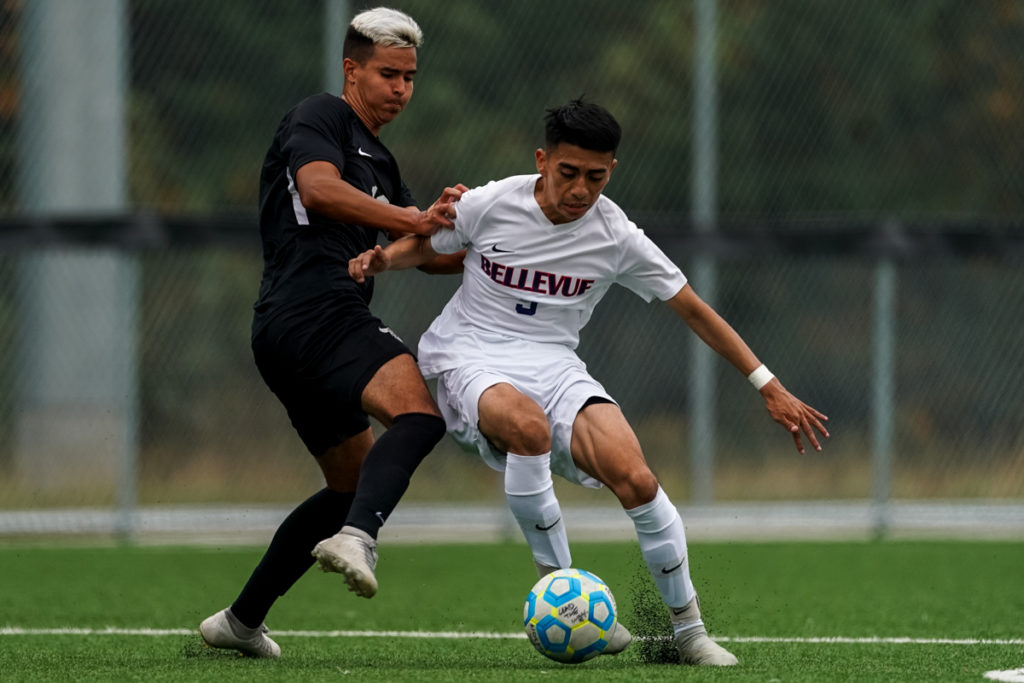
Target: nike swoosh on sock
column 672, row 569
column 549, row 526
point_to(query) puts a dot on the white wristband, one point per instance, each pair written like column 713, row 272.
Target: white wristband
column 760, row 377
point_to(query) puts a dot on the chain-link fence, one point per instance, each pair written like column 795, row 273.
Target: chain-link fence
column 857, row 217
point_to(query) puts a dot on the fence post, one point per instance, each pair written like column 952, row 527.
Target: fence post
column 704, row 202
column 77, row 384
column 883, row 403
column 336, row 20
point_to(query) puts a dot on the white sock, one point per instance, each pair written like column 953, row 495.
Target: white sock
column 531, row 498
column 663, row 546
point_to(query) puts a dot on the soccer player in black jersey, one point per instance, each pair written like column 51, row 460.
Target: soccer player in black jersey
column 327, row 189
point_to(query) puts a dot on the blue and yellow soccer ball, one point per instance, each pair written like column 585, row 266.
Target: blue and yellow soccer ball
column 569, row 615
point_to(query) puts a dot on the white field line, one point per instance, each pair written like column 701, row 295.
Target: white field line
column 114, row 631
column 901, row 640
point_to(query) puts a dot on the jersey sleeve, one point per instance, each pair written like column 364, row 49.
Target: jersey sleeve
column 405, row 197
column 313, row 137
column 645, row 269
column 468, row 210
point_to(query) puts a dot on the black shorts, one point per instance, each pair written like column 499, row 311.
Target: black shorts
column 319, row 374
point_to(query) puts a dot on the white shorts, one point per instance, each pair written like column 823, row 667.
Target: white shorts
column 553, row 376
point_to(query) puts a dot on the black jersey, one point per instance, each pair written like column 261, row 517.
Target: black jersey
column 305, row 254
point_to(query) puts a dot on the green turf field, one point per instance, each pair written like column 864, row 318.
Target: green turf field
column 894, row 611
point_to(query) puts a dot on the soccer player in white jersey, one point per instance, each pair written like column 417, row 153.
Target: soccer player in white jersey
column 541, row 251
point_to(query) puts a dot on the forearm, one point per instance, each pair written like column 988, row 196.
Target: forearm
column 444, row 264
column 720, row 336
column 409, row 252
column 713, row 330
column 342, row 202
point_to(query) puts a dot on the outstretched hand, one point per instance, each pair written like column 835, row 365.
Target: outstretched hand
column 796, row 416
column 369, row 263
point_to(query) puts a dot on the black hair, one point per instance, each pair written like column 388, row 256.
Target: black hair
column 357, row 46
column 583, row 124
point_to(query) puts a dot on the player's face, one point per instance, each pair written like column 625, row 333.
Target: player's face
column 572, row 178
column 379, row 89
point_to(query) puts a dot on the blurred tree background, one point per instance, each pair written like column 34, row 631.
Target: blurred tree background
column 866, row 109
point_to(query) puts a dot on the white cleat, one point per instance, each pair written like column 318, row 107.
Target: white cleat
column 354, row 557
column 619, row 641
column 692, row 642
column 224, row 630
column 697, row 649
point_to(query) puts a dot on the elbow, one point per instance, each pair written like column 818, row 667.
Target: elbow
column 442, row 264
column 313, row 197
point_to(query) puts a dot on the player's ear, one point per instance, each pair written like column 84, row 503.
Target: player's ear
column 348, row 66
column 540, row 160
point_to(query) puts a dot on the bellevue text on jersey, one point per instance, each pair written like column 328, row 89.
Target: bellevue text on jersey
column 537, row 281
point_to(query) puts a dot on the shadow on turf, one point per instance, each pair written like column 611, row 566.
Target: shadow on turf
column 195, row 648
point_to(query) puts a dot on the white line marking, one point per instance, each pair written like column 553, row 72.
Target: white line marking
column 903, row 640
column 115, row 631
column 490, row 635
column 108, row 631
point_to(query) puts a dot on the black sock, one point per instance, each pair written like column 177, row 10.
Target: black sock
column 288, row 557
column 388, row 467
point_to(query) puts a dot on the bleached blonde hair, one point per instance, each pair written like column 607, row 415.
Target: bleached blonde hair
column 387, row 27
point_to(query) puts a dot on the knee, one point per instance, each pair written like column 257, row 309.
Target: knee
column 430, row 428
column 435, row 427
column 528, row 434
column 635, row 488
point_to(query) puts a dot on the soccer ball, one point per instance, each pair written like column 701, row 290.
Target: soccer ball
column 569, row 615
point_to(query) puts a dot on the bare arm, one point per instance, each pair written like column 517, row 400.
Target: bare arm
column 445, row 264
column 408, row 252
column 322, row 189
column 786, row 409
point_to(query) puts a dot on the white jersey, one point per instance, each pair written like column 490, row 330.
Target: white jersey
column 528, row 279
